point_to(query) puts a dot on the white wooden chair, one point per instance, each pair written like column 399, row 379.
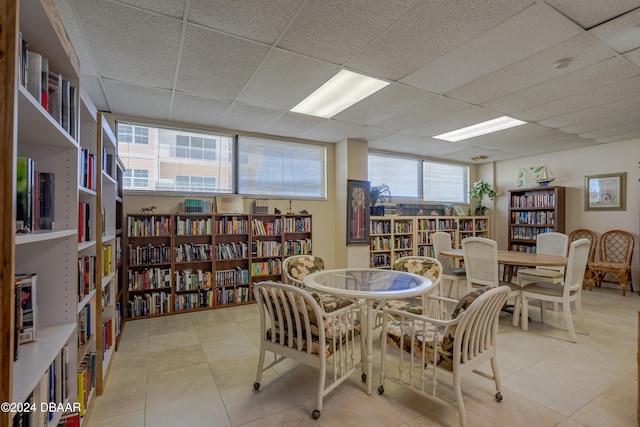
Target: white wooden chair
column 294, row 325
column 456, row 344
column 481, row 263
column 569, row 291
column 550, row 243
column 441, row 242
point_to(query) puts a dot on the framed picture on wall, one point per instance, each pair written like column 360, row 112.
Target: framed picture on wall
column 606, row 192
column 357, row 212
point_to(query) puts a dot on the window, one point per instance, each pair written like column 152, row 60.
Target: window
column 279, row 168
column 402, row 175
column 129, row 134
column 446, row 182
column 176, row 160
column 135, row 178
column 419, row 180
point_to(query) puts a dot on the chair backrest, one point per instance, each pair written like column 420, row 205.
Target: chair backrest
column 476, row 331
column 425, row 266
column 297, row 267
column 442, row 241
column 578, row 257
column 481, row 261
column 552, row 243
column 616, row 246
column 583, row 233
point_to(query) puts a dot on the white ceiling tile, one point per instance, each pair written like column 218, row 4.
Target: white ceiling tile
column 467, row 154
column 337, row 30
column 588, row 13
column 92, row 85
column 293, row 124
column 593, row 114
column 331, row 131
column 601, row 127
column 125, row 43
column 533, row 70
column 370, row 133
column 261, row 20
column 247, row 118
column 389, row 101
column 284, row 79
column 419, row 114
column 197, row 110
column 433, row 28
column 600, row 74
column 137, row 101
column 217, row 66
column 622, row 33
column 633, row 56
column 76, row 35
column 532, row 30
column 588, row 99
column 173, row 8
column 621, row 137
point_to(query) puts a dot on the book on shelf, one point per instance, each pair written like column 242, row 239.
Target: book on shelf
column 69, row 420
column 45, row 200
column 33, row 75
column 86, row 275
column 17, row 321
column 84, row 325
column 65, row 104
column 84, row 222
column 28, row 307
column 44, row 83
column 25, row 172
column 106, row 260
column 54, row 100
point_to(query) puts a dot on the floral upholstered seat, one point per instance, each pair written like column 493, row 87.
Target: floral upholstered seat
column 423, row 266
column 297, row 267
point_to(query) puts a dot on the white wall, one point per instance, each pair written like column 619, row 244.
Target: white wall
column 570, row 167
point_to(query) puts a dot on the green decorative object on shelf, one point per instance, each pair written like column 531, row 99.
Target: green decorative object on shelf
column 478, row 191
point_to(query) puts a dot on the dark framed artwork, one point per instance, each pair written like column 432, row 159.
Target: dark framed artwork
column 606, row 192
column 357, row 212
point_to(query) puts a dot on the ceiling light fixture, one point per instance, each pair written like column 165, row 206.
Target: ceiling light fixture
column 480, row 157
column 562, row 63
column 483, row 128
column 338, row 93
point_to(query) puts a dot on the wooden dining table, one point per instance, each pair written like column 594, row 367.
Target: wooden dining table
column 511, row 259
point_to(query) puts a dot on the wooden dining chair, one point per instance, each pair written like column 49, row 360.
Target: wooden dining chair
column 615, row 254
column 583, row 233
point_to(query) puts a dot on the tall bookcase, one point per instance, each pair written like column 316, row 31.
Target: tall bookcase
column 67, row 257
column 392, row 237
column 184, row 262
column 533, row 211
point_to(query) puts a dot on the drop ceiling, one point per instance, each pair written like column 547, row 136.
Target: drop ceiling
column 242, row 64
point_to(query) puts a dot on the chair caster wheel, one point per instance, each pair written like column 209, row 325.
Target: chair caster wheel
column 256, row 385
column 380, row 389
column 364, row 377
column 498, row 397
column 315, row 414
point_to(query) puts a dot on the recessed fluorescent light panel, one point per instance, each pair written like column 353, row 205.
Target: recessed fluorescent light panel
column 483, row 128
column 338, row 93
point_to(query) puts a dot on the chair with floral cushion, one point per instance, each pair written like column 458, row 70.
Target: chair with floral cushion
column 295, row 324
column 297, row 267
column 423, row 266
column 456, row 344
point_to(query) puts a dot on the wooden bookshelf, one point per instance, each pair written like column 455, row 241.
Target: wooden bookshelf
column 533, row 211
column 392, row 237
column 214, row 258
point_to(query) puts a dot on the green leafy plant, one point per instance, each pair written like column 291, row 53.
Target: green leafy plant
column 379, row 193
column 478, row 191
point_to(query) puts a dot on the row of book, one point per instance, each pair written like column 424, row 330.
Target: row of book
column 86, row 379
column 34, row 197
column 231, row 277
column 262, row 228
column 86, row 275
column 529, row 233
column 149, row 226
column 297, row 247
column 84, row 325
column 193, row 226
column 107, row 335
column 87, row 169
column 26, row 311
column 535, row 217
column 198, row 299
column 49, row 88
column 402, row 242
column 85, row 229
column 266, row 249
column 50, row 396
column 297, row 225
column 232, row 225
column 233, row 250
column 106, row 260
column 149, row 304
column 380, row 260
column 534, row 200
column 149, row 254
column 194, row 206
column 380, row 244
column 186, row 280
column 269, row 267
column 232, row 295
column 149, row 278
column 191, row 252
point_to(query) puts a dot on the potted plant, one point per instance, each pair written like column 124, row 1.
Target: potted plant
column 378, row 193
column 478, row 191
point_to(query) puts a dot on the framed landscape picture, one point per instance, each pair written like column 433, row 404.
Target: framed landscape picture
column 605, row 192
column 357, row 212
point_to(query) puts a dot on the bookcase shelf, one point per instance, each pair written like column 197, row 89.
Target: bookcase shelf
column 235, row 251
column 392, row 237
column 533, row 211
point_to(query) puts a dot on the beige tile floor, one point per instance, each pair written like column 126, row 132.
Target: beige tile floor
column 198, row 369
